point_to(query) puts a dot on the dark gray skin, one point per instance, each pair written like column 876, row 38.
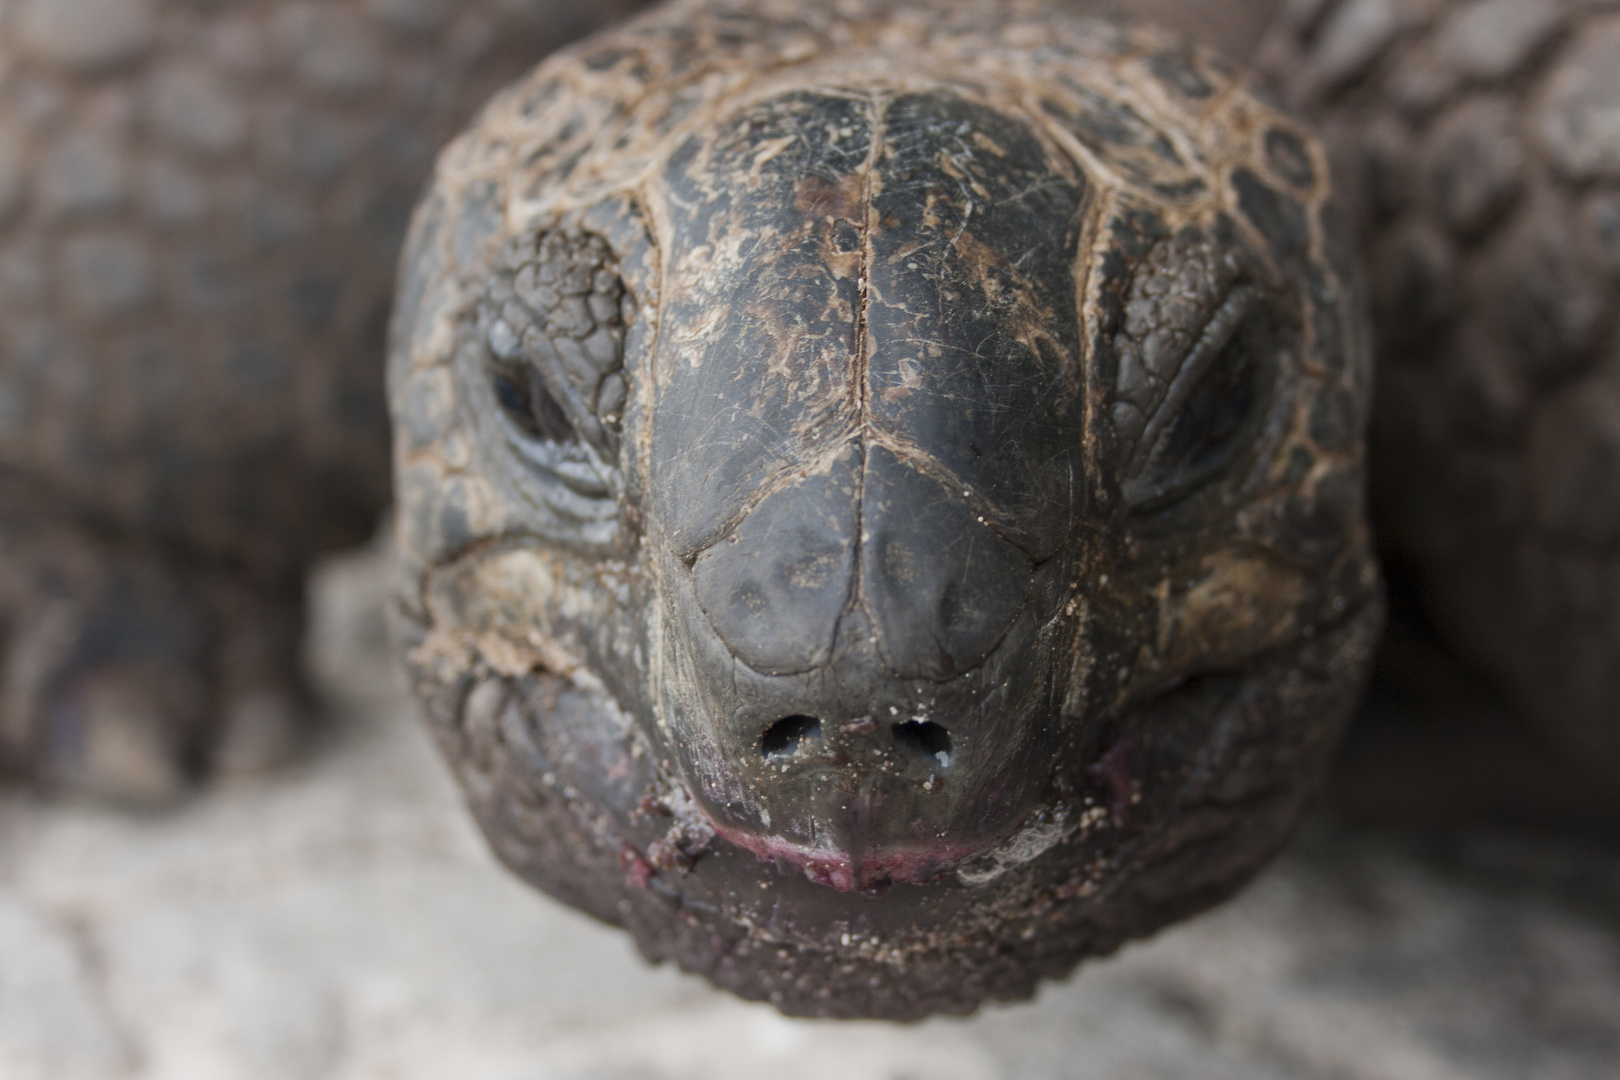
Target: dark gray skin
column 201, row 205
column 880, row 493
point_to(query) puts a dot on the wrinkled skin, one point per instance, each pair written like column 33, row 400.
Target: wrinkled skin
column 880, row 492
column 1477, row 146
column 200, row 211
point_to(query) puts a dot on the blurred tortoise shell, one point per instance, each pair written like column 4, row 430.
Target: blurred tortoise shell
column 1477, row 150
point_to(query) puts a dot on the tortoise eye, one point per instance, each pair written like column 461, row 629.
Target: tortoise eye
column 554, row 324
column 1199, row 427
column 529, row 405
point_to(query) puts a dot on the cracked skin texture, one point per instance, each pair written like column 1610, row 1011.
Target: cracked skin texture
column 200, row 211
column 880, row 489
column 1476, row 147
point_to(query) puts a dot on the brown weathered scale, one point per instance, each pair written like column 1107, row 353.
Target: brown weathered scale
column 880, row 488
column 1478, row 148
column 200, row 210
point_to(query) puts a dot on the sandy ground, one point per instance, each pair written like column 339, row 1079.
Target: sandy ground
column 343, row 920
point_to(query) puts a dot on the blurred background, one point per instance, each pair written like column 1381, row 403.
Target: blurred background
column 344, row 921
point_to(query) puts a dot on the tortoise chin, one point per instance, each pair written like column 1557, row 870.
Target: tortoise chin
column 882, row 538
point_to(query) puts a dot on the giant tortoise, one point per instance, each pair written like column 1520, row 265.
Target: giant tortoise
column 200, row 210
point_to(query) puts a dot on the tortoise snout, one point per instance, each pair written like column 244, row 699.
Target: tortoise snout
column 853, row 802
column 857, row 685
column 852, row 771
column 798, row 739
column 936, row 583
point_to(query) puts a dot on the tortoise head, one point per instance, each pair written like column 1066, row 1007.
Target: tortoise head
column 923, row 479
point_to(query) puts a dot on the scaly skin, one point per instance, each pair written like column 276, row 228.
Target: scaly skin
column 880, row 501
column 1478, row 150
column 200, row 210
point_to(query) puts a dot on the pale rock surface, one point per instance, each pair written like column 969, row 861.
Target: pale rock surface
column 344, row 922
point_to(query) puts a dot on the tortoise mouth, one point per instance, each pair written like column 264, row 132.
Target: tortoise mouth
column 870, row 869
column 857, row 858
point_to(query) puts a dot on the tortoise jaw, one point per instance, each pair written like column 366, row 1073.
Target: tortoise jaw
column 869, row 868
column 860, row 807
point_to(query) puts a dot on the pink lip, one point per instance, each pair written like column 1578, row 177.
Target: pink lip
column 874, row 869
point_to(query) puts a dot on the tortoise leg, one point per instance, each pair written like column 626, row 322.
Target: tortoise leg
column 130, row 674
column 264, row 710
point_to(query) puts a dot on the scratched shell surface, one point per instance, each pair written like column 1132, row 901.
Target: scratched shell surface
column 1200, row 652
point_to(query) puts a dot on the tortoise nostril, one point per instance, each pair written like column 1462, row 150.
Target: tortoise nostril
column 926, row 738
column 789, row 735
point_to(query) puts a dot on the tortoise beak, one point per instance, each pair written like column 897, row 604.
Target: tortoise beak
column 855, row 848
